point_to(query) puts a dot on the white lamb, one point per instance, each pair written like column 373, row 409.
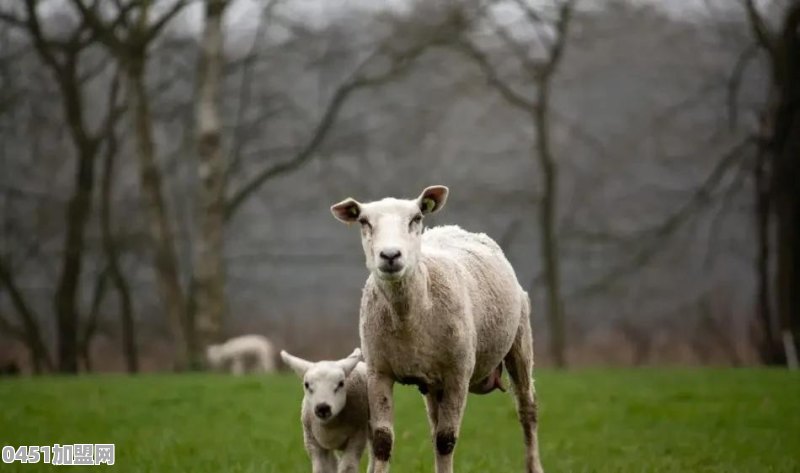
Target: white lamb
column 443, row 310
column 335, row 412
column 239, row 352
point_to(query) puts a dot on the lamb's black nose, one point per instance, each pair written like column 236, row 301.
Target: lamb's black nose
column 323, row 411
column 390, row 254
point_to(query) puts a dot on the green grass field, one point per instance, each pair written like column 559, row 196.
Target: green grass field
column 596, row 420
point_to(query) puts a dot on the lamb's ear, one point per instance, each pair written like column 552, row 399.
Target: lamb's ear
column 349, row 363
column 432, row 199
column 347, row 210
column 298, row 365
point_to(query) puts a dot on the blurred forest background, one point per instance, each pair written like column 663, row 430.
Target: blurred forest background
column 166, row 170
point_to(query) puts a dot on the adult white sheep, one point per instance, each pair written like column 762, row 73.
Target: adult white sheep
column 335, row 412
column 441, row 309
column 238, row 352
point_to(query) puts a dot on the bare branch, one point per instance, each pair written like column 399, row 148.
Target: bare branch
column 560, row 41
column 654, row 235
column 104, row 33
column 11, row 19
column 159, row 24
column 759, row 27
column 511, row 96
column 735, row 81
column 401, row 63
column 25, row 313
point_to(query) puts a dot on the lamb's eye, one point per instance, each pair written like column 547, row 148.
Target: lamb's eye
column 341, row 385
column 364, row 223
column 308, row 386
column 415, row 221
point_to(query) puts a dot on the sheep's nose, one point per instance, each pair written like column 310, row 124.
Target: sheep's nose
column 390, row 254
column 323, row 411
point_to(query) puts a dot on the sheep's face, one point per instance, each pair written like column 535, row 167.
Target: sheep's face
column 391, row 229
column 324, row 383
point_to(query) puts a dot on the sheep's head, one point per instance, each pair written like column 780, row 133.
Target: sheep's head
column 391, row 229
column 324, row 383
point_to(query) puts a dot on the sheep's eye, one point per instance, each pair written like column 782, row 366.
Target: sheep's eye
column 364, row 222
column 415, row 221
column 308, row 386
column 341, row 385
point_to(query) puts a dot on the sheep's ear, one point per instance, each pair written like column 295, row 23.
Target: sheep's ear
column 348, row 364
column 347, row 210
column 432, row 199
column 298, row 365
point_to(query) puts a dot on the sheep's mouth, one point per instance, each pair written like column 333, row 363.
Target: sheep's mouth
column 394, row 271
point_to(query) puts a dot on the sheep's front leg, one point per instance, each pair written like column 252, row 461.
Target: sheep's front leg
column 451, row 404
column 379, row 389
column 432, row 407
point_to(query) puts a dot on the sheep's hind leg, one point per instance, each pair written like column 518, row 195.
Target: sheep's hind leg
column 451, row 403
column 519, row 363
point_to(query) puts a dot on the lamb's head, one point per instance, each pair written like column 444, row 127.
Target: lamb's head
column 324, row 383
column 391, row 229
column 214, row 355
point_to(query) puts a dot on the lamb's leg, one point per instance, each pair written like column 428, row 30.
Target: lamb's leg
column 237, row 365
column 351, row 456
column 322, row 460
column 379, row 389
column 451, row 402
column 519, row 363
column 265, row 362
column 370, row 461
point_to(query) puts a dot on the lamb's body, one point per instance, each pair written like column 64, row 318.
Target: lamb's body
column 238, row 350
column 350, row 427
column 462, row 325
column 335, row 413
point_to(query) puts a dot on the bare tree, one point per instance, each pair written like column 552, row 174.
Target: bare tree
column 63, row 58
column 127, row 35
column 777, row 172
column 538, row 69
column 112, row 251
column 209, row 271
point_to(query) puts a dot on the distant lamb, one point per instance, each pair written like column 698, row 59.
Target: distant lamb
column 443, row 310
column 239, row 353
column 335, row 412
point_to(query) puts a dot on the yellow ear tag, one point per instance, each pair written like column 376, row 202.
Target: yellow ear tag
column 428, row 204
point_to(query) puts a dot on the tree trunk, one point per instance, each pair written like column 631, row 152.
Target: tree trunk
column 785, row 147
column 166, row 262
column 209, row 287
column 112, row 256
column 40, row 358
column 548, row 220
column 765, row 334
column 77, row 216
